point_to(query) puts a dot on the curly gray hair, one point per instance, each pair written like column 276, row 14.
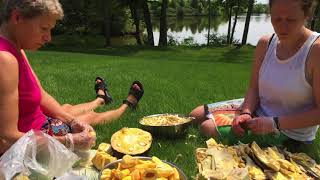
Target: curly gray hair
column 32, row 8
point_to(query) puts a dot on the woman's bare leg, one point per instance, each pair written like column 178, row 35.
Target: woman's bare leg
column 94, row 118
column 83, row 108
column 208, row 128
column 198, row 114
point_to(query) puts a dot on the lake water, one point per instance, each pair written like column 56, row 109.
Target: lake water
column 197, row 28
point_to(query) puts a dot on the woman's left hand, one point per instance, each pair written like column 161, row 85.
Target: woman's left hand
column 78, row 127
column 261, row 125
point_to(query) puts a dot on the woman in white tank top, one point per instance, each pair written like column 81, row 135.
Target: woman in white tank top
column 284, row 90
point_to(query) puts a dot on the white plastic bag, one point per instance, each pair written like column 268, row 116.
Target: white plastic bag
column 37, row 153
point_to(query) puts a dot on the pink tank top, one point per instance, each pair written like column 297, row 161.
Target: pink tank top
column 30, row 114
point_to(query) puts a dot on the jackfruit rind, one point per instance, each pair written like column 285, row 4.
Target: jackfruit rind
column 132, row 141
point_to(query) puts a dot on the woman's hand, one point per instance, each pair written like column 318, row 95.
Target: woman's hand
column 82, row 138
column 77, row 127
column 239, row 122
column 80, row 141
column 262, row 125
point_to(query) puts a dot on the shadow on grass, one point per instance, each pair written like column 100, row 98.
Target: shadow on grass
column 199, row 54
column 110, row 51
column 237, row 55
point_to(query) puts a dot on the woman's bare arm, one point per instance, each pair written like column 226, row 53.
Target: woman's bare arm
column 9, row 110
column 252, row 95
column 49, row 105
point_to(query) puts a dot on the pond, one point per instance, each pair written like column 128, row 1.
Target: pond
column 197, row 28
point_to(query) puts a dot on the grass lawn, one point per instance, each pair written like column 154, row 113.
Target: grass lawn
column 176, row 80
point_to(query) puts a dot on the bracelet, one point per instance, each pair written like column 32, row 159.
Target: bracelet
column 247, row 113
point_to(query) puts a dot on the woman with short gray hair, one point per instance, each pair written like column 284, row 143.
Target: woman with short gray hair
column 24, row 104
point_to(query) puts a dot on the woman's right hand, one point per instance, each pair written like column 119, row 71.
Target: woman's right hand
column 80, row 141
column 239, row 123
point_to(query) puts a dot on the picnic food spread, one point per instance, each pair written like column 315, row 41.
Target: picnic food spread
column 246, row 161
column 131, row 141
column 164, row 120
column 134, row 168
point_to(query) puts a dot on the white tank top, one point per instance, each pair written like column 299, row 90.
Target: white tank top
column 284, row 89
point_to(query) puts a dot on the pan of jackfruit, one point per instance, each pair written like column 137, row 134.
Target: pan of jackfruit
column 171, row 125
column 141, row 167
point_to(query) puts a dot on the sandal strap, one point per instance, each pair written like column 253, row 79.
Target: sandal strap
column 102, row 86
column 107, row 99
column 130, row 104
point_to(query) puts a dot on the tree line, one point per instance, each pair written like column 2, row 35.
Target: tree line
column 118, row 17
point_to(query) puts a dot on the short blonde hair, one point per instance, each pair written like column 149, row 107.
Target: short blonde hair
column 32, row 8
column 308, row 6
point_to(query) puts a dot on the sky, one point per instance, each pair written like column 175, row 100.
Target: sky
column 262, row 1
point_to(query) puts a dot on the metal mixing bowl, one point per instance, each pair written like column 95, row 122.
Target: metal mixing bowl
column 114, row 165
column 167, row 130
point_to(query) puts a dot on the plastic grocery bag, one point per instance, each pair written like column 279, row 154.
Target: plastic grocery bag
column 37, row 154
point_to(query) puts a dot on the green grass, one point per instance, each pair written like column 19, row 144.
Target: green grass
column 176, row 80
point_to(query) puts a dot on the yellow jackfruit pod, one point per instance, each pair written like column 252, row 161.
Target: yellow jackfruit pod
column 176, row 174
column 120, row 174
column 101, row 159
column 145, row 166
column 135, row 174
column 105, row 177
column 128, row 162
column 161, row 178
column 156, row 160
column 145, row 161
column 105, row 147
column 149, row 174
column 127, row 178
column 165, row 172
column 106, row 174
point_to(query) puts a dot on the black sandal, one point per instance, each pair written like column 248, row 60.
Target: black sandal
column 136, row 93
column 102, row 86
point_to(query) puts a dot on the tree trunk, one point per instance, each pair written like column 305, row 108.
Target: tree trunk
column 314, row 18
column 147, row 20
column 230, row 5
column 235, row 21
column 163, row 24
column 209, row 23
column 134, row 16
column 247, row 23
column 107, row 22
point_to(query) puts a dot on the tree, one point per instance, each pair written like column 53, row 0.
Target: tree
column 181, row 3
column 247, row 23
column 209, row 23
column 134, row 15
column 235, row 20
column 229, row 8
column 147, row 20
column 163, row 24
column 194, row 4
column 107, row 21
